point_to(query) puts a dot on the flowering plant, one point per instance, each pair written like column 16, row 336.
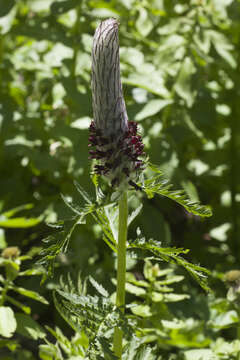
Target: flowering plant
column 117, row 149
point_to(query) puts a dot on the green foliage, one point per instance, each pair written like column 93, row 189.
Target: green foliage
column 171, row 255
column 157, row 185
column 17, row 222
column 180, row 67
column 11, row 322
column 104, row 211
column 95, row 316
column 156, row 321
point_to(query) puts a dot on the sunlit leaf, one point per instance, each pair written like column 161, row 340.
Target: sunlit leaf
column 8, row 322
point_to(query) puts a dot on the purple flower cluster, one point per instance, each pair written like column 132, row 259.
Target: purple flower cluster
column 117, row 156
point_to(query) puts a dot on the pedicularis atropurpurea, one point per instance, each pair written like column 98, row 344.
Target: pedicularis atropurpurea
column 116, row 147
column 114, row 141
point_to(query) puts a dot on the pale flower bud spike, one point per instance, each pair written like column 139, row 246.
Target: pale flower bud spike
column 113, row 140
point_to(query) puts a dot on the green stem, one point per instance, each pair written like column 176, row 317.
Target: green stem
column 4, row 293
column 121, row 269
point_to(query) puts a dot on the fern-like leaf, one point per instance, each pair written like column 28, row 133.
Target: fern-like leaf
column 57, row 243
column 136, row 351
column 171, row 255
column 158, row 185
column 95, row 316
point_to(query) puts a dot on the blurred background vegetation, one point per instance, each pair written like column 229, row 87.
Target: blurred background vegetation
column 181, row 78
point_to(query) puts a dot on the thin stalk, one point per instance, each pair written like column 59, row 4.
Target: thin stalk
column 121, row 269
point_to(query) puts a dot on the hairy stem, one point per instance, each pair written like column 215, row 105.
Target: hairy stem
column 121, row 269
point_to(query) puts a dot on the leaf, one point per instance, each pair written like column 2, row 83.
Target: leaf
column 109, row 237
column 175, row 297
column 170, row 28
column 16, row 303
column 183, row 85
column 57, row 243
column 135, row 350
column 157, row 185
column 8, row 322
column 100, row 289
column 143, row 24
column 142, row 310
column 224, row 320
column 20, row 222
column 49, row 352
column 6, row 7
column 171, row 255
column 202, row 354
column 12, row 212
column 111, row 220
column 83, row 193
column 151, row 108
column 31, row 272
column 28, row 327
column 223, row 47
column 149, row 79
column 96, row 316
column 29, row 293
column 136, row 290
column 134, row 214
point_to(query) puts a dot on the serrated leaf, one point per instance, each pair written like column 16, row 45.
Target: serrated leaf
column 134, row 214
column 157, row 185
column 171, row 255
column 100, row 289
column 57, row 243
column 75, row 208
column 83, row 193
column 107, row 220
column 135, row 350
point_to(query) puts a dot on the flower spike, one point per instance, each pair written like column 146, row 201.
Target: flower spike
column 114, row 141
